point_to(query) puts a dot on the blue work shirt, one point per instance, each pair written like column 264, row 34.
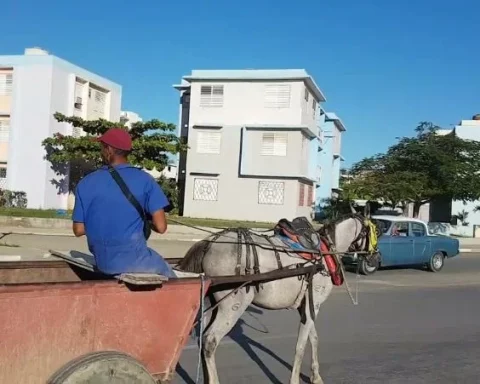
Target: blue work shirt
column 113, row 227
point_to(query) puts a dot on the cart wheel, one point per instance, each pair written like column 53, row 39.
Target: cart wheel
column 103, row 367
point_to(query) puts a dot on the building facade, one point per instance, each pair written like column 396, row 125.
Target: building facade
column 329, row 158
column 33, row 87
column 251, row 137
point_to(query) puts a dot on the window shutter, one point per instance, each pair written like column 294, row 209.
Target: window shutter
column 209, row 142
column 211, row 96
column 310, row 195
column 4, row 130
column 274, row 144
column 277, row 95
column 301, row 195
column 6, row 81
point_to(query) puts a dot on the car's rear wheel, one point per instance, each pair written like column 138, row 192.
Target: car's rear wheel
column 436, row 263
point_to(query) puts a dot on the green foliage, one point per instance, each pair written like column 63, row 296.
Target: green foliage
column 152, row 141
column 421, row 168
column 12, row 199
column 170, row 189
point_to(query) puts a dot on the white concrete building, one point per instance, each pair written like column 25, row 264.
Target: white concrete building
column 130, row 118
column 33, row 87
column 252, row 136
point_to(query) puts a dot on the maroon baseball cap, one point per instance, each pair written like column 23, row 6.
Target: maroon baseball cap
column 117, row 138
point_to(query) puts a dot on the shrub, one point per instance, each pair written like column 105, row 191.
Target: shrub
column 13, row 199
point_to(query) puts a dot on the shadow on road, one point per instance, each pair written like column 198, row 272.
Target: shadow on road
column 352, row 269
column 248, row 344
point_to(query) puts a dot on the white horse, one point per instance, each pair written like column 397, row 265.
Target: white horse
column 227, row 254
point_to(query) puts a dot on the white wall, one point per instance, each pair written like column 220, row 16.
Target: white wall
column 244, row 104
column 42, row 86
column 29, row 126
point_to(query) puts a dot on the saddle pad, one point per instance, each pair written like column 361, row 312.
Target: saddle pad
column 296, row 246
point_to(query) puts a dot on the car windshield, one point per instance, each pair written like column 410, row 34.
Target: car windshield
column 383, row 225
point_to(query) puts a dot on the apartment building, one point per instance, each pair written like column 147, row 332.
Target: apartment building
column 33, row 87
column 252, row 137
column 329, row 158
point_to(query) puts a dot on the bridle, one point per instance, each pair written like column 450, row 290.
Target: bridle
column 328, row 231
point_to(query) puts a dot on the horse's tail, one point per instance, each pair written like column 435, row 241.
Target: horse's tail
column 193, row 260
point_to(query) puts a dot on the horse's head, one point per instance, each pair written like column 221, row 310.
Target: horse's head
column 351, row 233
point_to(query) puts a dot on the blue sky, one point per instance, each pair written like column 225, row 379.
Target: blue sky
column 383, row 68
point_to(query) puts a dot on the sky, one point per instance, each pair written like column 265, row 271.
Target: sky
column 383, row 65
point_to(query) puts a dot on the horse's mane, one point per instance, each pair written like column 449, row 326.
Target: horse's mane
column 193, row 260
column 330, row 225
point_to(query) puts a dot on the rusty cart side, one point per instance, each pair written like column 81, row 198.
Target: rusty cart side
column 62, row 322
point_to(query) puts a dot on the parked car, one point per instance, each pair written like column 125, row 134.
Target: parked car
column 406, row 241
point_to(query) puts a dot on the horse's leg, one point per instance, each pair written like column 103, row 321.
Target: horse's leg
column 312, row 336
column 228, row 312
column 321, row 289
column 306, row 324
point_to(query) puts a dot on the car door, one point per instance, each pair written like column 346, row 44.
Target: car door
column 401, row 244
column 421, row 243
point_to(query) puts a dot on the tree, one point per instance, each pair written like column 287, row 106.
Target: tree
column 71, row 157
column 422, row 168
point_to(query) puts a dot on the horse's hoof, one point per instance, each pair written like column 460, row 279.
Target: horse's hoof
column 316, row 380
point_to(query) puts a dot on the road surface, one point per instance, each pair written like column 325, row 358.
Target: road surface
column 410, row 327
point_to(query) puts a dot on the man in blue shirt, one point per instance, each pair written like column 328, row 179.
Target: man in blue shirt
column 114, row 228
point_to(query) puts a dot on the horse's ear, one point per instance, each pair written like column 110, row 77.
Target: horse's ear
column 351, row 208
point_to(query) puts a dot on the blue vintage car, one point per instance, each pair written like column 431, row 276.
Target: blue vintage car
column 406, row 241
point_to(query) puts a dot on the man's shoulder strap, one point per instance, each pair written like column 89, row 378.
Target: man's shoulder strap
column 128, row 194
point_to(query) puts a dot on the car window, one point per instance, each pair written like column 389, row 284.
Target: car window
column 383, row 225
column 400, row 228
column 418, row 229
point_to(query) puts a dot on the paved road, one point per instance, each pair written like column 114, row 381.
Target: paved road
column 397, row 335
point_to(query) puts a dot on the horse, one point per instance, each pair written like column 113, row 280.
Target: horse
column 226, row 254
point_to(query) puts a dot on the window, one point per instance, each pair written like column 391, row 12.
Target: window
column 310, row 195
column 4, row 130
column 277, row 96
column 3, row 176
column 78, row 95
column 271, row 192
column 418, row 229
column 211, row 96
column 77, row 132
column 301, row 195
column 6, row 81
column 400, row 228
column 307, row 94
column 274, row 144
column 205, row 189
column 314, row 106
column 208, row 142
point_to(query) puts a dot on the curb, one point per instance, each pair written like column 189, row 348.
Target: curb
column 467, row 250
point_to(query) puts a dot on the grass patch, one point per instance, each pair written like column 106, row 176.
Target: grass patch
column 37, row 213
column 217, row 223
column 54, row 214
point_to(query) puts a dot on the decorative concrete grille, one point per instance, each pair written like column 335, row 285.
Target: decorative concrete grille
column 205, row 189
column 271, row 192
